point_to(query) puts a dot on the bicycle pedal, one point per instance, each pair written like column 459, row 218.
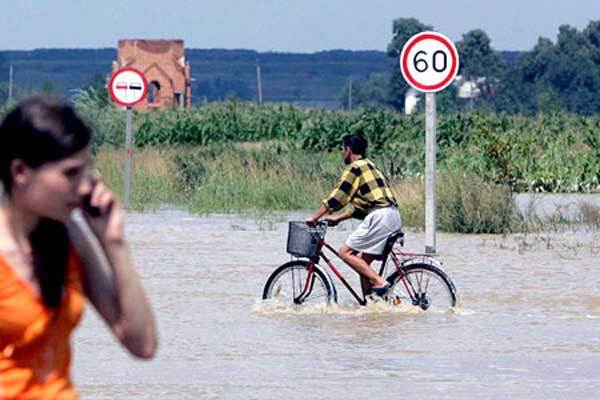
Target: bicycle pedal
column 375, row 298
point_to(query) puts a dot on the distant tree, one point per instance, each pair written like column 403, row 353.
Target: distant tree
column 479, row 60
column 570, row 41
column 564, row 76
column 447, row 100
column 3, row 81
column 93, row 94
column 403, row 29
column 533, row 64
column 591, row 37
column 3, row 69
column 3, row 93
column 513, row 94
column 47, row 88
column 371, row 93
column 220, row 88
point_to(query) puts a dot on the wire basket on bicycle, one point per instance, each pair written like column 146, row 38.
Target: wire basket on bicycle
column 303, row 241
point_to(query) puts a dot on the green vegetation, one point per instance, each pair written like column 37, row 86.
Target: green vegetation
column 552, row 77
column 242, row 157
column 270, row 177
column 548, row 153
column 535, row 126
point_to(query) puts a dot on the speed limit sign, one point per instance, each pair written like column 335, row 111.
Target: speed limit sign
column 429, row 61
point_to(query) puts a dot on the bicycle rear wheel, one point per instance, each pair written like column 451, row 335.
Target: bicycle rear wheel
column 424, row 286
column 296, row 283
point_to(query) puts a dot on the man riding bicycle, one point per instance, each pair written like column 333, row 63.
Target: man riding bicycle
column 364, row 189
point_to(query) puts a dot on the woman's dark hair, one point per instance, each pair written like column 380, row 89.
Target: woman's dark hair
column 357, row 143
column 37, row 131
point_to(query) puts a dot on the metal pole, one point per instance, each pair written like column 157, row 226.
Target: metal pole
column 350, row 96
column 258, row 78
column 10, row 85
column 430, row 155
column 128, row 155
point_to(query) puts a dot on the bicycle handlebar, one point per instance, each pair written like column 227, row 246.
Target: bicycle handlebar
column 326, row 223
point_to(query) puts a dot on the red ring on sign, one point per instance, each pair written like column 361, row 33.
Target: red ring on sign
column 110, row 86
column 446, row 80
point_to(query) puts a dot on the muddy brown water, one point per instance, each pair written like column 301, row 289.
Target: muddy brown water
column 528, row 325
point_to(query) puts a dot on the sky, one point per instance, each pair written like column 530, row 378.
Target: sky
column 279, row 25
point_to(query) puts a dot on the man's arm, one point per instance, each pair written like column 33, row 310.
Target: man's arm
column 336, row 219
column 339, row 197
column 344, row 191
column 312, row 221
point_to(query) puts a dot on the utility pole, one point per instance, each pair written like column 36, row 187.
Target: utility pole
column 258, row 79
column 10, row 85
column 350, row 95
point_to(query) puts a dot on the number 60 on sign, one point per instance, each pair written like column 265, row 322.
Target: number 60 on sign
column 429, row 61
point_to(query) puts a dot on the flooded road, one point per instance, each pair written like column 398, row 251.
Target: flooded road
column 528, row 326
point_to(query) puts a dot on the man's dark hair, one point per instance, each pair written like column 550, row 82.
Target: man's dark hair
column 357, row 143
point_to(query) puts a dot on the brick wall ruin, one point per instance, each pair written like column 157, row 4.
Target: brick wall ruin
column 166, row 70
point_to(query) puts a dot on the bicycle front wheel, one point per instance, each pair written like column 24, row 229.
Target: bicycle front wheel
column 300, row 283
column 424, row 286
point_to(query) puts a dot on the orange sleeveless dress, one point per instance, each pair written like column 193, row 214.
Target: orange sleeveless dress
column 35, row 350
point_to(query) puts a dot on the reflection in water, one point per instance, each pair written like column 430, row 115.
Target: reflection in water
column 528, row 324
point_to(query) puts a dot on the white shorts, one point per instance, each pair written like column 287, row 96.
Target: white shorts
column 372, row 233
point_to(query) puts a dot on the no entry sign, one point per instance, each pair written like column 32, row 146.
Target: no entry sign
column 128, row 86
column 429, row 61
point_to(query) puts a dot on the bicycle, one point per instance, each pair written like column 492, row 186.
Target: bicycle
column 416, row 279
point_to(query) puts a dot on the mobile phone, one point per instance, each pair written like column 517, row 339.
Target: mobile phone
column 93, row 211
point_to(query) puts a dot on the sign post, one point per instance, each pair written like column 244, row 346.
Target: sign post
column 128, row 156
column 127, row 87
column 429, row 63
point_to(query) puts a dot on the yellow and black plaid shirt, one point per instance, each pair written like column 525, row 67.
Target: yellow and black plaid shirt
column 362, row 186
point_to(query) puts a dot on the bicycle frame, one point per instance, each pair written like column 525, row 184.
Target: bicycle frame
column 394, row 255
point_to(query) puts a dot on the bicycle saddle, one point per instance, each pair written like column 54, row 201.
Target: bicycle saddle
column 389, row 244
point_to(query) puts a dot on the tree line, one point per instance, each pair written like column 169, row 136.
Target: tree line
column 561, row 75
column 553, row 76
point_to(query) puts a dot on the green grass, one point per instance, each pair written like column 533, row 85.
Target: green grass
column 271, row 177
column 153, row 179
column 557, row 152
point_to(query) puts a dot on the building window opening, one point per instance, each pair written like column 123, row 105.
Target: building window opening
column 153, row 92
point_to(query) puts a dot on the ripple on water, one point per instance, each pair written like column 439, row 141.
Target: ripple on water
column 529, row 315
column 269, row 307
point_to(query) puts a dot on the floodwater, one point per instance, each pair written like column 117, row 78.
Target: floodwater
column 548, row 205
column 528, row 326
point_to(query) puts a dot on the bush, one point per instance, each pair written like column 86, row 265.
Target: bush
column 469, row 204
column 465, row 203
column 548, row 153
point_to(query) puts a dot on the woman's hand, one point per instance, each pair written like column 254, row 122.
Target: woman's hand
column 114, row 288
column 103, row 213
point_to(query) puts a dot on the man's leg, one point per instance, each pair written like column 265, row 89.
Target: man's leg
column 364, row 282
column 361, row 266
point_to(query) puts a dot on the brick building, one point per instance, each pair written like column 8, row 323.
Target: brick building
column 164, row 65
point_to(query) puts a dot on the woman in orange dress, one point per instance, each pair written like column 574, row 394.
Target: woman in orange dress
column 48, row 264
